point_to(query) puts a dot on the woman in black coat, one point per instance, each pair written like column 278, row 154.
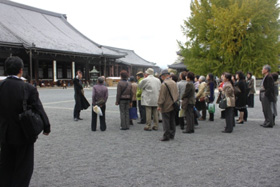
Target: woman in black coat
column 241, row 95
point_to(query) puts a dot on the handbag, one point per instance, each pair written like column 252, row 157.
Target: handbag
column 133, row 113
column 223, row 103
column 30, row 121
column 196, row 112
column 211, row 108
column 175, row 105
column 182, row 113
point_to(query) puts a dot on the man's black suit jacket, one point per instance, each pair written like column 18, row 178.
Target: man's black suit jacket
column 11, row 99
column 268, row 85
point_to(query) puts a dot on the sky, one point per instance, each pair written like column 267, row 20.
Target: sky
column 149, row 27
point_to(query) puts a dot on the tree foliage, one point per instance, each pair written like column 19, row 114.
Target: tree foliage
column 231, row 35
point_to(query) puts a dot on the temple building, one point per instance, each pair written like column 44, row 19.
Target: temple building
column 179, row 66
column 52, row 49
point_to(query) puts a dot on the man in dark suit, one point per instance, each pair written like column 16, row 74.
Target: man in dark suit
column 267, row 96
column 17, row 152
column 81, row 101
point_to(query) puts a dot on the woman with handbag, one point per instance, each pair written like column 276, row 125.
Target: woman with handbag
column 229, row 98
column 200, row 97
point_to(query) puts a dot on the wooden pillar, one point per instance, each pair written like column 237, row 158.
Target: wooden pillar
column 100, row 61
column 36, row 70
column 105, row 67
column 130, row 73
column 30, row 65
column 73, row 70
column 112, row 71
column 87, row 72
column 54, row 71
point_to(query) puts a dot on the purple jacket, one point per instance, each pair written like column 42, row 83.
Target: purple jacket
column 99, row 91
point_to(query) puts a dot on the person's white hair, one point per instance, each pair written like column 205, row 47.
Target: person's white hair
column 202, row 78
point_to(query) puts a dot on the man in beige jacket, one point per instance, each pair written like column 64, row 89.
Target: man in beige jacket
column 165, row 105
column 150, row 91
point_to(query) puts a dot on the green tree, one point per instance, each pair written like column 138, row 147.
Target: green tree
column 231, row 35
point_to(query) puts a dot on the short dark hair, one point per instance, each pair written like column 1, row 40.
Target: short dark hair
column 13, row 65
column 140, row 75
column 124, row 74
column 240, row 75
column 131, row 79
column 79, row 71
column 190, row 75
column 174, row 78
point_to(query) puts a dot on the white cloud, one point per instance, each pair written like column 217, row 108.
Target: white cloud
column 149, row 27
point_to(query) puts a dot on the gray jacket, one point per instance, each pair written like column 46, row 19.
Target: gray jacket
column 181, row 85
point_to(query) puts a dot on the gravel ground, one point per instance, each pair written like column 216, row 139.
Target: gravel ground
column 73, row 155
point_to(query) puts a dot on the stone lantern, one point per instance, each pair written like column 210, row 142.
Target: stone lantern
column 93, row 76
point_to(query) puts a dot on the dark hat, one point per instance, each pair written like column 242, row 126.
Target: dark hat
column 163, row 72
column 140, row 72
column 131, row 79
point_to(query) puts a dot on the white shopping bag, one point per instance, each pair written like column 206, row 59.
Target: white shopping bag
column 97, row 110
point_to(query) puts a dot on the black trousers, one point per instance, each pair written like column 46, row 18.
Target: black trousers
column 177, row 121
column 168, row 123
column 16, row 165
column 250, row 101
column 182, row 122
column 189, row 118
column 211, row 116
column 76, row 112
column 229, row 115
column 101, row 118
column 142, row 111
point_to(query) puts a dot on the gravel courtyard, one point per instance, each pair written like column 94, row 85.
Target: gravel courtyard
column 72, row 155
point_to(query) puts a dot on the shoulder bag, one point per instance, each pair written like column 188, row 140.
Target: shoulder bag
column 124, row 96
column 223, row 103
column 30, row 121
column 175, row 104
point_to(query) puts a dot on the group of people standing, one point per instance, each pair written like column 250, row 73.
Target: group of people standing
column 156, row 98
